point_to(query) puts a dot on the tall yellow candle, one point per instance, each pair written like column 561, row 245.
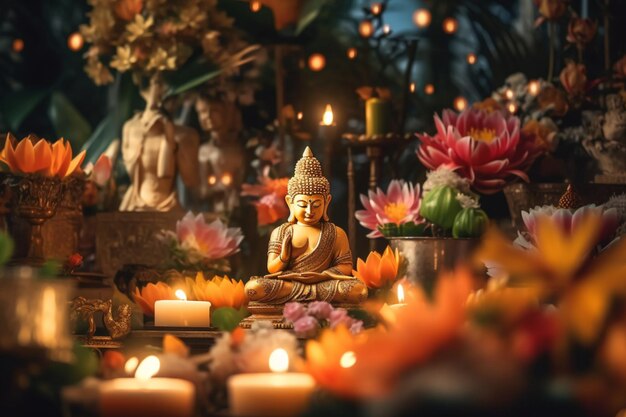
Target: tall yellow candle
column 377, row 116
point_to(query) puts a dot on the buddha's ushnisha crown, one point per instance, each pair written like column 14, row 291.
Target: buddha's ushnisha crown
column 308, row 178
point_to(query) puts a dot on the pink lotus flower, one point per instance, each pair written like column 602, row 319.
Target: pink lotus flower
column 100, row 172
column 206, row 241
column 401, row 204
column 568, row 220
column 486, row 148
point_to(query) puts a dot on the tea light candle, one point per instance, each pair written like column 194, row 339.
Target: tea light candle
column 277, row 394
column 146, row 396
column 377, row 116
column 182, row 313
column 400, row 304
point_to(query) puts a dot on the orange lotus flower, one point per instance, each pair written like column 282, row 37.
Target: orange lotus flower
column 378, row 270
column 369, row 363
column 220, row 291
column 574, row 78
column 152, row 293
column 32, row 155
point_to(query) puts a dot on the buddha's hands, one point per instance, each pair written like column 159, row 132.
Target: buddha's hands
column 285, row 251
column 305, row 277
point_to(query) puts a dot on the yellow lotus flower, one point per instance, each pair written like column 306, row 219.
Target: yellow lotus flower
column 220, row 291
column 378, row 270
column 32, row 155
column 560, row 270
column 152, row 293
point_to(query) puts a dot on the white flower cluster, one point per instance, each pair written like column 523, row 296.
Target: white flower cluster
column 467, row 201
column 445, row 176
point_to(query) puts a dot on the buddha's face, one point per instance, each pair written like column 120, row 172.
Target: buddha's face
column 307, row 209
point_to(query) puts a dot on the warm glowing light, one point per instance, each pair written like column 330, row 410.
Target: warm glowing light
column 450, row 25
column 300, row 115
column 75, row 41
column 352, row 53
column 180, row 294
column 148, row 368
column 460, row 103
column 366, row 28
column 412, row 87
column 347, row 360
column 227, row 179
column 429, row 89
column 377, row 8
column 386, row 29
column 534, row 87
column 512, row 108
column 255, row 6
column 212, row 179
column 471, row 58
column 18, row 45
column 131, row 365
column 317, row 62
column 327, row 118
column 508, row 94
column 279, row 360
column 400, row 293
column 422, row 18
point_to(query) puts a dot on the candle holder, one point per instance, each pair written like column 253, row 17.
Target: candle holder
column 35, row 199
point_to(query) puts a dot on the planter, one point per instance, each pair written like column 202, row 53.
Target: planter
column 523, row 196
column 426, row 257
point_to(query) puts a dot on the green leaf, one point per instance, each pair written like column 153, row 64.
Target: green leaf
column 193, row 74
column 6, row 247
column 309, row 13
column 227, row 318
column 17, row 106
column 68, row 122
column 389, row 229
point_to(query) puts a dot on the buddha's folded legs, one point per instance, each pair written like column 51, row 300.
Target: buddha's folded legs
column 277, row 291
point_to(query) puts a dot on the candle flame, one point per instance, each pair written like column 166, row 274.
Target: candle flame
column 227, row 179
column 148, row 368
column 180, row 294
column 131, row 365
column 279, row 360
column 534, row 87
column 327, row 119
column 400, row 293
column 347, row 360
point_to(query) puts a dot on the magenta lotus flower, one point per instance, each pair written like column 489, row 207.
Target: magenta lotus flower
column 400, row 205
column 568, row 220
column 203, row 241
column 484, row 147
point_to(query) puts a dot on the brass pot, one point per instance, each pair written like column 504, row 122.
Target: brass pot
column 426, row 257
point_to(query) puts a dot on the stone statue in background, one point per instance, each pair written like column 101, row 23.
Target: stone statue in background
column 154, row 150
column 309, row 258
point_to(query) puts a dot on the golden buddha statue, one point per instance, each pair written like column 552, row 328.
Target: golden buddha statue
column 308, row 258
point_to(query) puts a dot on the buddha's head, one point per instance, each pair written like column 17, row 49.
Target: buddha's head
column 308, row 192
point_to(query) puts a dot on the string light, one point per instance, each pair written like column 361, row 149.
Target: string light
column 460, row 103
column 352, row 53
column 534, row 87
column 255, row 6
column 508, row 94
column 300, row 115
column 376, row 9
column 212, row 180
column 317, row 62
column 227, row 179
column 18, row 45
column 422, row 18
column 412, row 87
column 471, row 58
column 429, row 89
column 450, row 25
column 366, row 29
column 512, row 108
column 386, row 29
column 75, row 41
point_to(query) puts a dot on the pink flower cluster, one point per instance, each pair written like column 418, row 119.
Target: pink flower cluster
column 309, row 319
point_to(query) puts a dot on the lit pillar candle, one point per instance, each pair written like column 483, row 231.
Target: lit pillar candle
column 277, row 394
column 377, row 116
column 182, row 313
column 146, row 396
column 328, row 128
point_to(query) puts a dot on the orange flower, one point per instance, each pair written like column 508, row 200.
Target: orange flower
column 37, row 156
column 378, row 270
column 152, row 293
column 581, row 31
column 488, row 105
column 551, row 9
column 574, row 79
column 369, row 363
column 220, row 291
column 544, row 132
column 551, row 98
column 127, row 9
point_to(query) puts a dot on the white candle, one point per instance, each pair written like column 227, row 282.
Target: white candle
column 182, row 313
column 146, row 396
column 276, row 394
column 400, row 304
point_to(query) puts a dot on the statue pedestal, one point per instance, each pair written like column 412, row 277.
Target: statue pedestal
column 274, row 314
